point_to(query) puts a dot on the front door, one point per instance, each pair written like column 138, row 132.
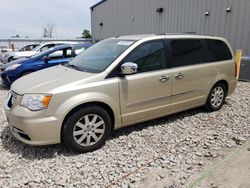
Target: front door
column 146, row 94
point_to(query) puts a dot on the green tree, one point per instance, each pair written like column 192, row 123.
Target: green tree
column 86, row 34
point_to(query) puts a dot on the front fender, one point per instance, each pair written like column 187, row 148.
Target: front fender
column 91, row 97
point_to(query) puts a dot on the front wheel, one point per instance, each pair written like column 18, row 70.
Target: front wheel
column 216, row 97
column 87, row 129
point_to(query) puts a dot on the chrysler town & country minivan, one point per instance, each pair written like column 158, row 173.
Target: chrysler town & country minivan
column 119, row 82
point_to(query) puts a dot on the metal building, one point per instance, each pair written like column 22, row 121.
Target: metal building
column 227, row 18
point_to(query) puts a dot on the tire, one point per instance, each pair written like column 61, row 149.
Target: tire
column 216, row 97
column 86, row 129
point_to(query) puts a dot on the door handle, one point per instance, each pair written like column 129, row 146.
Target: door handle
column 179, row 76
column 164, row 78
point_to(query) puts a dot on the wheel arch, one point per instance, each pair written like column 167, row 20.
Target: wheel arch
column 97, row 103
column 10, row 58
column 224, row 82
column 208, row 105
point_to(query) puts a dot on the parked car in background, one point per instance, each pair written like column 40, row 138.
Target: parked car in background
column 51, row 57
column 4, row 50
column 119, row 82
column 8, row 56
column 40, row 48
column 29, row 47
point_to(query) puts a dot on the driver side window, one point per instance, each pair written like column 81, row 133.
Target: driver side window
column 149, row 56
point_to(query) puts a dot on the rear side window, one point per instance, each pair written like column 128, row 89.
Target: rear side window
column 187, row 52
column 217, row 50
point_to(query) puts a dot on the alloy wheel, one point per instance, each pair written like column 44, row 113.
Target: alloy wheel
column 217, row 96
column 89, row 130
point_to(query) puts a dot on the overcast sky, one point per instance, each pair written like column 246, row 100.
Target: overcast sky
column 28, row 17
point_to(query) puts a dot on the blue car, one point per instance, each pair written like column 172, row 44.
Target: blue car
column 51, row 57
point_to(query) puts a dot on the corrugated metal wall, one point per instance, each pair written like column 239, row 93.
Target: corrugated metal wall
column 123, row 17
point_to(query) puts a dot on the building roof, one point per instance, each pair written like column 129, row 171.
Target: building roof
column 95, row 5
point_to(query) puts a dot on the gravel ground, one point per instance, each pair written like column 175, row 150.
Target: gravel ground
column 167, row 152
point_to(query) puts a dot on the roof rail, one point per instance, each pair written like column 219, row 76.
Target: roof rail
column 190, row 33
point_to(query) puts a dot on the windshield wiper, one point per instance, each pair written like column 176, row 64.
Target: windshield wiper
column 73, row 66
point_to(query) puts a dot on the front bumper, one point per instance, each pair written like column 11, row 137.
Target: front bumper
column 8, row 77
column 5, row 81
column 33, row 128
column 4, row 61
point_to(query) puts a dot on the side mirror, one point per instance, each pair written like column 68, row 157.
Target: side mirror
column 129, row 68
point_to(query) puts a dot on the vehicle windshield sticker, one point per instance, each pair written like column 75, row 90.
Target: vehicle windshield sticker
column 125, row 43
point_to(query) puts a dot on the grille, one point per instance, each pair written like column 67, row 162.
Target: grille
column 12, row 99
column 21, row 133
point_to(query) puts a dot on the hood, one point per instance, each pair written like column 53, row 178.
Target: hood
column 48, row 80
column 18, row 61
column 24, row 54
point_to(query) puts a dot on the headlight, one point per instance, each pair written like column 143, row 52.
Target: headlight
column 36, row 102
column 12, row 67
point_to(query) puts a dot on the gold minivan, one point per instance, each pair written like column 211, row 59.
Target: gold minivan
column 119, row 82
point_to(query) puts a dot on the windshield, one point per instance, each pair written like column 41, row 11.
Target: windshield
column 98, row 57
column 36, row 48
column 41, row 54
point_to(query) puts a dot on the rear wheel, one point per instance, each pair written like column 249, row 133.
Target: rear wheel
column 216, row 97
column 87, row 129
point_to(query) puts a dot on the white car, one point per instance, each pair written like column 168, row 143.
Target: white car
column 3, row 51
column 8, row 55
column 40, row 48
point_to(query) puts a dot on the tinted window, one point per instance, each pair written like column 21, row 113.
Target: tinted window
column 217, row 51
column 187, row 52
column 148, row 57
